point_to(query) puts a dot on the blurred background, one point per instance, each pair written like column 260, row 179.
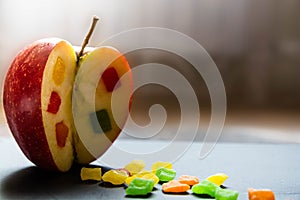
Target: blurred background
column 255, row 45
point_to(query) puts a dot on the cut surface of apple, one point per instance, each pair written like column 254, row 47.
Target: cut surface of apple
column 103, row 73
column 57, row 85
column 37, row 102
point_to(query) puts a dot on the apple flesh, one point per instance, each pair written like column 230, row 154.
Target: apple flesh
column 103, row 84
column 37, row 100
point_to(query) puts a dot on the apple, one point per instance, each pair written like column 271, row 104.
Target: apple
column 37, row 100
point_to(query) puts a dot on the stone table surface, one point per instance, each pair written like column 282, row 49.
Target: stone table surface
column 256, row 165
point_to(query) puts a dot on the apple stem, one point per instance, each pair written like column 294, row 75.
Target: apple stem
column 88, row 36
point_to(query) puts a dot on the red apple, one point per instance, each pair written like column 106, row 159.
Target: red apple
column 37, row 101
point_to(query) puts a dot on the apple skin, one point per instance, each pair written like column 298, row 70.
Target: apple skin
column 22, row 102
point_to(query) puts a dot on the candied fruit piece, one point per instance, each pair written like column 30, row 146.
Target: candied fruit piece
column 62, row 132
column 54, row 103
column 110, row 79
column 135, row 166
column 175, row 186
column 115, row 177
column 91, row 174
column 140, row 186
column 218, row 178
column 187, row 179
column 260, row 194
column 226, row 194
column 101, row 121
column 165, row 174
column 205, row 187
column 58, row 74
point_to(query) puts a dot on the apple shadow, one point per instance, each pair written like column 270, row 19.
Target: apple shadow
column 33, row 182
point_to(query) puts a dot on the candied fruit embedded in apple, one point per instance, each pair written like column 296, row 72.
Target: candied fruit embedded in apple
column 58, row 74
column 62, row 132
column 100, row 121
column 54, row 103
column 110, row 78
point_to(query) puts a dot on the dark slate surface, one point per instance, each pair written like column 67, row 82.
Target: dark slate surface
column 273, row 166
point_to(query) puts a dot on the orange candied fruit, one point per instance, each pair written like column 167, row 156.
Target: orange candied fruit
column 174, row 186
column 189, row 180
column 58, row 74
column 62, row 132
column 260, row 194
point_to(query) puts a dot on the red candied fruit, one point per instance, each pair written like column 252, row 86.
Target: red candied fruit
column 110, row 78
column 54, row 103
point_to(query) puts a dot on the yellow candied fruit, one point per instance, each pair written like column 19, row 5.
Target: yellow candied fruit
column 115, row 177
column 160, row 164
column 90, row 174
column 144, row 175
column 58, row 74
column 135, row 166
column 218, row 178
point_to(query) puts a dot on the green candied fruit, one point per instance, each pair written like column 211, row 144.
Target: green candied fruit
column 140, row 186
column 226, row 194
column 100, row 121
column 205, row 187
column 165, row 174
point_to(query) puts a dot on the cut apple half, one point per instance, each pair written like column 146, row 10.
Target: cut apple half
column 57, row 85
column 37, row 102
column 99, row 76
